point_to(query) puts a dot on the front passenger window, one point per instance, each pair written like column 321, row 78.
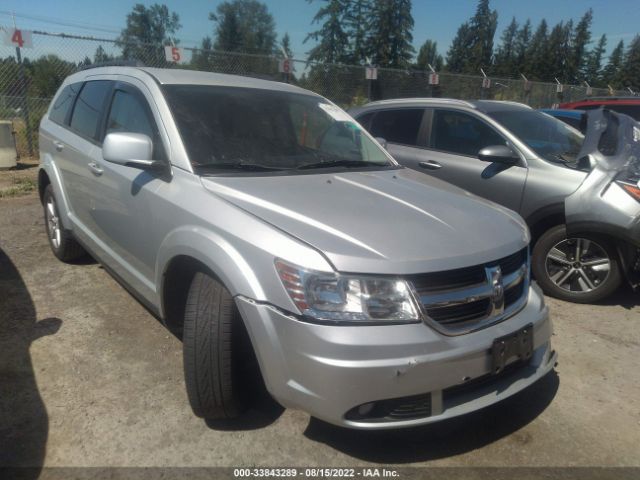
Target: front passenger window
column 398, row 126
column 129, row 113
column 461, row 133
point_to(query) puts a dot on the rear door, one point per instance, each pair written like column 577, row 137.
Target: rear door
column 453, row 140
column 402, row 128
column 76, row 148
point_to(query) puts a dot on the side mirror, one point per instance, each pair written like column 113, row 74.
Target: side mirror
column 499, row 154
column 382, row 142
column 130, row 149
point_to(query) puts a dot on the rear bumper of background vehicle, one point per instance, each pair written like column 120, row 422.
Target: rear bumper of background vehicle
column 329, row 370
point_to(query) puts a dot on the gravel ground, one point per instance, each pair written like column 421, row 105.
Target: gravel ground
column 89, row 378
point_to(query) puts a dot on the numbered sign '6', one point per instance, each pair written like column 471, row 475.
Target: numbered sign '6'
column 173, row 54
column 17, row 38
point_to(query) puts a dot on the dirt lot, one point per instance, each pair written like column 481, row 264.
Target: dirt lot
column 89, row 378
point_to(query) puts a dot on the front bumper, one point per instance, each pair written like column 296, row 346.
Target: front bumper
column 328, row 371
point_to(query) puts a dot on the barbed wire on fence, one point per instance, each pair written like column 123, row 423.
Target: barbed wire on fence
column 27, row 85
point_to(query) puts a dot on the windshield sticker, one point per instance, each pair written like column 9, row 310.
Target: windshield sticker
column 336, row 113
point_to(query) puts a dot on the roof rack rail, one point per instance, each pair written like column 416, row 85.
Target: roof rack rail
column 114, row 63
column 450, row 101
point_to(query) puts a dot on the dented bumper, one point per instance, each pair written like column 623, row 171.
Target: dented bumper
column 331, row 371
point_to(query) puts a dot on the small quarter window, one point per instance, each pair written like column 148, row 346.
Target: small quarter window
column 63, row 103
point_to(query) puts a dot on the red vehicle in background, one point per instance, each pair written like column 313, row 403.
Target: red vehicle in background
column 627, row 105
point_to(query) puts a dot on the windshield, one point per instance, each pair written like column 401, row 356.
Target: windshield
column 233, row 129
column 548, row 137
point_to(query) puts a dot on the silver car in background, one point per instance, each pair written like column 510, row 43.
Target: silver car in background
column 525, row 160
column 283, row 244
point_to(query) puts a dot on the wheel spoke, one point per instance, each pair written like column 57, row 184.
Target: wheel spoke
column 561, row 276
column 57, row 242
column 559, row 256
column 596, row 262
column 578, row 250
column 51, row 209
column 584, row 281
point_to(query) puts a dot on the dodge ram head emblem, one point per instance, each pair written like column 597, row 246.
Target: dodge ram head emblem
column 494, row 276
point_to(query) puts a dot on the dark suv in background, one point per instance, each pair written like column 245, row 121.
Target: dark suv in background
column 517, row 157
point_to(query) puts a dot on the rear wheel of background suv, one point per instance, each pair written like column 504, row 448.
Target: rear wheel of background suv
column 62, row 243
column 577, row 269
column 219, row 363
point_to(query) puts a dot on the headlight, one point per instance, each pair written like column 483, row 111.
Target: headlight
column 347, row 298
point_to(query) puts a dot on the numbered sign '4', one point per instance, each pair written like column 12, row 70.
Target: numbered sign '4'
column 15, row 37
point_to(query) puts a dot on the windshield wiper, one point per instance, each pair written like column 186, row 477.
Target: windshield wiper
column 342, row 163
column 247, row 167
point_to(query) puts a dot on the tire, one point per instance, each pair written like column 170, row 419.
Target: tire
column 61, row 241
column 593, row 277
column 217, row 351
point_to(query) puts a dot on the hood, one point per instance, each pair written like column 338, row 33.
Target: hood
column 383, row 222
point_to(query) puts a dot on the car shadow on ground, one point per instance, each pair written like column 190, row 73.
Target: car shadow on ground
column 24, row 423
column 624, row 297
column 443, row 439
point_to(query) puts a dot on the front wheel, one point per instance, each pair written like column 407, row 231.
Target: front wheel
column 576, row 269
column 62, row 243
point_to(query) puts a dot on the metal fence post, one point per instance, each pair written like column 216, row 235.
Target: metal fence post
column 25, row 101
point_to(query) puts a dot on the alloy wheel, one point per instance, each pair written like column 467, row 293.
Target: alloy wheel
column 578, row 265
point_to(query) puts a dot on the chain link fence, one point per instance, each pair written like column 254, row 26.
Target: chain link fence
column 27, row 84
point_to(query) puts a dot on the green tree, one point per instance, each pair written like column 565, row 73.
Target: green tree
column 244, row 26
column 147, row 31
column 593, row 67
column 521, row 44
column 391, row 37
column 46, row 74
column 457, row 53
column 472, row 48
column 578, row 58
column 535, row 65
column 332, row 38
column 556, row 62
column 428, row 55
column 505, row 62
column 631, row 68
column 203, row 57
column 612, row 73
column 357, row 22
column 101, row 56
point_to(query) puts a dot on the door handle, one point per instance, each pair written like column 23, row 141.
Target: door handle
column 59, row 145
column 95, row 169
column 430, row 165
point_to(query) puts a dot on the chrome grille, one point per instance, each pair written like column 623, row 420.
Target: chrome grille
column 466, row 299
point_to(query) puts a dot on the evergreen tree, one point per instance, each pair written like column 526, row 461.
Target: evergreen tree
column 458, row 51
column 556, row 63
column 592, row 71
column 522, row 44
column 472, row 48
column 244, row 26
column 578, row 58
column 391, row 37
column 506, row 56
column 101, row 56
column 333, row 40
column 631, row 68
column 428, row 55
column 535, row 64
column 148, row 29
column 612, row 73
column 202, row 59
column 357, row 22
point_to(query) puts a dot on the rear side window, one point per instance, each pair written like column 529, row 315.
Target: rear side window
column 632, row 110
column 398, row 126
column 64, row 102
column 461, row 133
column 89, row 106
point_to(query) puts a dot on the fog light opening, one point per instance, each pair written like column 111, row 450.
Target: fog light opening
column 365, row 409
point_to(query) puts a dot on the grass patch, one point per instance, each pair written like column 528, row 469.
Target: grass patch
column 20, row 187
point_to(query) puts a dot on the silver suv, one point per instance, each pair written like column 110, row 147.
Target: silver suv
column 268, row 230
column 522, row 159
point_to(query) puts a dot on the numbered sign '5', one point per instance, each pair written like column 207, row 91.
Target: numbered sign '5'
column 17, row 38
